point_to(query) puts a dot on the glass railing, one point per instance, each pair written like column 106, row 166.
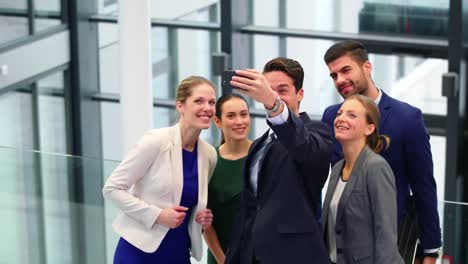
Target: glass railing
column 52, row 211
column 454, row 221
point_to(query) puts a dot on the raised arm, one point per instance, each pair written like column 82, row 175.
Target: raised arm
column 303, row 140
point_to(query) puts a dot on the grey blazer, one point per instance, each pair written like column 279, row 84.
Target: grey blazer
column 366, row 222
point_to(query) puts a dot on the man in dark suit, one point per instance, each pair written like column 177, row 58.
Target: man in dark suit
column 409, row 153
column 284, row 173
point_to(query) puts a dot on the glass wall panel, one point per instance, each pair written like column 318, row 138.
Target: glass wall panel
column 163, row 117
column 414, row 80
column 193, row 47
column 172, row 10
column 13, row 20
column 49, row 7
column 164, row 62
column 16, row 119
column 408, row 17
column 438, row 147
column 111, row 126
column 194, row 54
column 109, row 63
column 52, row 124
column 182, row 10
column 176, row 54
column 53, row 138
column 47, row 14
column 18, row 112
column 107, row 6
column 46, row 23
column 262, row 18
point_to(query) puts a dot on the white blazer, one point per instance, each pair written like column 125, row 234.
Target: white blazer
column 149, row 179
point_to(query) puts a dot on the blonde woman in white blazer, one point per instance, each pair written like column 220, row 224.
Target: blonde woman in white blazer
column 161, row 185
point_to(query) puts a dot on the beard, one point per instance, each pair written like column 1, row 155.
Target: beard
column 359, row 86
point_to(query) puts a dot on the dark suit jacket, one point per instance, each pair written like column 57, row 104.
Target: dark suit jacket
column 277, row 225
column 410, row 158
column 366, row 221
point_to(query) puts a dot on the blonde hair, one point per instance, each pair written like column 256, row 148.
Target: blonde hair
column 375, row 141
column 185, row 88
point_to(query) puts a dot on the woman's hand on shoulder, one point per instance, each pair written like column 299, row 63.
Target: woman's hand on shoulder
column 172, row 217
column 204, row 217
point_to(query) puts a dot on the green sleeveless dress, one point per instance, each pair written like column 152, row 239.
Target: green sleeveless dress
column 224, row 198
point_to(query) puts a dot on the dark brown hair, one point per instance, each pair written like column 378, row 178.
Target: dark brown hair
column 184, row 90
column 353, row 48
column 219, row 107
column 290, row 67
column 375, row 141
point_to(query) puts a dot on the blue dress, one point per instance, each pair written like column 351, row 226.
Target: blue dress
column 175, row 247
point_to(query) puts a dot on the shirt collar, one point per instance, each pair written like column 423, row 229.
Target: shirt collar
column 379, row 97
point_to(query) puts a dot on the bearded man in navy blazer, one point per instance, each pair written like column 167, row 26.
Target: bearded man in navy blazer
column 409, row 153
column 284, row 173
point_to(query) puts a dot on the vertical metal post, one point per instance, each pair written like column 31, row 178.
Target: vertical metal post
column 214, row 43
column 451, row 235
column 226, row 26
column 84, row 130
column 464, row 128
column 452, row 82
column 36, row 221
column 214, row 47
column 282, row 23
column 31, row 17
column 233, row 42
column 220, row 61
column 173, row 61
column 64, row 11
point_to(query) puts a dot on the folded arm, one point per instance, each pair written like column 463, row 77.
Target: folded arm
column 129, row 172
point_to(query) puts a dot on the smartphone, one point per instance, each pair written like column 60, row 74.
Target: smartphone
column 226, row 78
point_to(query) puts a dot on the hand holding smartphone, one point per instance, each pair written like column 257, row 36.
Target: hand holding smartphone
column 226, row 78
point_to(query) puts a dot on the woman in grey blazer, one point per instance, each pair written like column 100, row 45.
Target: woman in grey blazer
column 161, row 186
column 360, row 212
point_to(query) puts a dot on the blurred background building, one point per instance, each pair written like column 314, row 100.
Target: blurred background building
column 61, row 113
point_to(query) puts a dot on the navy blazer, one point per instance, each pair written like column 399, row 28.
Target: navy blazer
column 277, row 225
column 410, row 158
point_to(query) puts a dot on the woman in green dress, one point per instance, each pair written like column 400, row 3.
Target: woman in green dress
column 233, row 118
